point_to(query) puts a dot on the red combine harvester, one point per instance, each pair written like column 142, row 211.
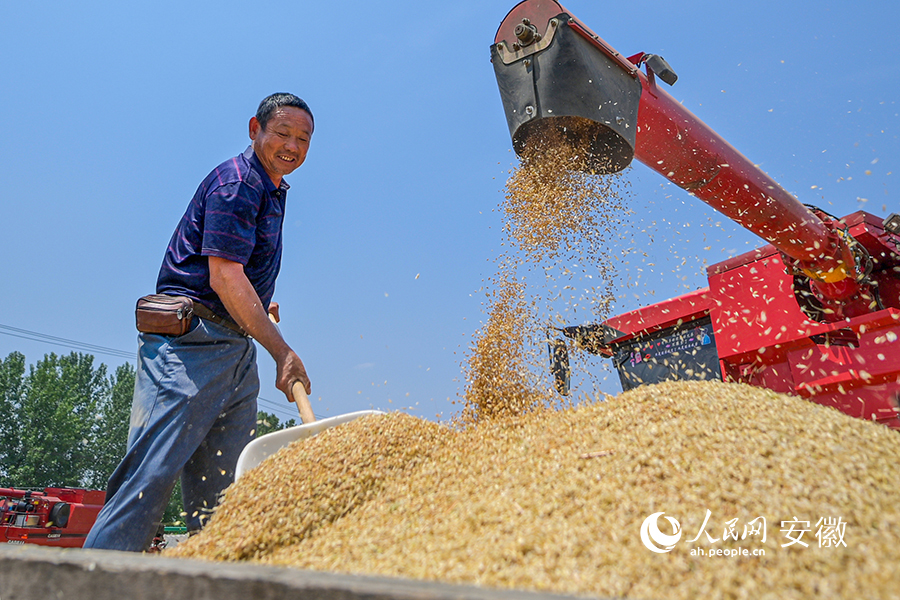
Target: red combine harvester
column 814, row 313
column 55, row 517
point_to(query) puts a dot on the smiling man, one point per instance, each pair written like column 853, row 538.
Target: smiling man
column 194, row 406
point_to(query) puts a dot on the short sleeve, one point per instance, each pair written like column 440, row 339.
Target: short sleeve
column 229, row 229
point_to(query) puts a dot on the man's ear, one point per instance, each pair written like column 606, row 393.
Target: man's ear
column 254, row 127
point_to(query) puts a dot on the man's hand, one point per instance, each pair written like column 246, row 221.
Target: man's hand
column 289, row 370
column 228, row 280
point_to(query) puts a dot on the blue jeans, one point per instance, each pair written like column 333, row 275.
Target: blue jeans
column 194, row 410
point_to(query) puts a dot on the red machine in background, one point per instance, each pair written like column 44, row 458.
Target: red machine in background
column 815, row 313
column 55, row 517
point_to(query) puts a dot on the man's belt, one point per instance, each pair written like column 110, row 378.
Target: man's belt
column 204, row 313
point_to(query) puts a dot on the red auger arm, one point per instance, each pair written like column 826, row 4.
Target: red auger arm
column 554, row 72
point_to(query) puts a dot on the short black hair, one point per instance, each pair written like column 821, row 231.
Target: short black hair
column 275, row 101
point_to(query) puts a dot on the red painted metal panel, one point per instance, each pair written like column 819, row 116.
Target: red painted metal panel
column 764, row 339
column 35, row 526
column 655, row 317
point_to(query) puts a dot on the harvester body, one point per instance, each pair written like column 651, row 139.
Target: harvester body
column 59, row 517
column 814, row 313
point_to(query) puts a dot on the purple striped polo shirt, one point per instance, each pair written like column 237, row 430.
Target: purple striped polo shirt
column 236, row 214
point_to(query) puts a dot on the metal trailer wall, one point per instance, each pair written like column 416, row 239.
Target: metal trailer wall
column 33, row 572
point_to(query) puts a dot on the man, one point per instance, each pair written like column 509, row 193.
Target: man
column 194, row 405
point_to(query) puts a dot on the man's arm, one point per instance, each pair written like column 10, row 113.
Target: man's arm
column 228, row 280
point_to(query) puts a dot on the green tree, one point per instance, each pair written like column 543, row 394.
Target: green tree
column 56, row 420
column 175, row 514
column 268, row 422
column 65, row 423
column 110, row 430
column 12, row 382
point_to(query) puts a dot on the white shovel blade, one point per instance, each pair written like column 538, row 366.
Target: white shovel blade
column 256, row 451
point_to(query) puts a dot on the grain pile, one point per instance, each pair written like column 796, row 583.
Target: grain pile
column 554, row 500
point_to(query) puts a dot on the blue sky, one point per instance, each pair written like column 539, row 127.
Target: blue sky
column 114, row 112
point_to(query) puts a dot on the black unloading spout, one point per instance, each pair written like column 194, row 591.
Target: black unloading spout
column 552, row 77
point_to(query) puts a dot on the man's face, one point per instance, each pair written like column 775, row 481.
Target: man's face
column 281, row 147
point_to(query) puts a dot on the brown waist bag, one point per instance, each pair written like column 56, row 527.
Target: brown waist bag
column 162, row 314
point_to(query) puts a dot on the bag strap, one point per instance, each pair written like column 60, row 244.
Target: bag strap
column 204, row 313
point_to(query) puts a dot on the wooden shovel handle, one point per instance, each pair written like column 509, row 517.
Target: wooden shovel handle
column 298, row 393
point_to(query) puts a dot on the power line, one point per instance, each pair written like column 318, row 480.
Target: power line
column 74, row 344
column 272, row 405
